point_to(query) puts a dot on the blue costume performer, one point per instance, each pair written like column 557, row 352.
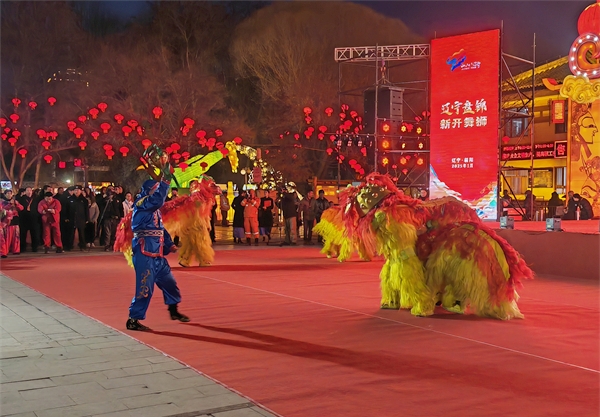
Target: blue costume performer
column 151, row 243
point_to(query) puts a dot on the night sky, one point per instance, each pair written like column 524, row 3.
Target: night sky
column 554, row 22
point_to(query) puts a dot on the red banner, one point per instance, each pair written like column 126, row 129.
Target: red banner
column 464, row 119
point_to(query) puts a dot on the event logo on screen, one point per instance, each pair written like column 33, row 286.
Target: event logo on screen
column 456, row 59
column 464, row 119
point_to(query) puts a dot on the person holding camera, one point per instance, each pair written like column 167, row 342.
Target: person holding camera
column 109, row 219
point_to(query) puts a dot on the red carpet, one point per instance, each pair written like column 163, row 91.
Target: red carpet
column 303, row 335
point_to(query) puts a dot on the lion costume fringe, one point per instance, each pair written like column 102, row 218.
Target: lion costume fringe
column 434, row 251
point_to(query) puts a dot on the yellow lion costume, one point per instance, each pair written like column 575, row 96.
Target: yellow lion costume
column 435, row 251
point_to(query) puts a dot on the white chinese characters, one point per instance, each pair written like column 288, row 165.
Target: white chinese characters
column 462, row 162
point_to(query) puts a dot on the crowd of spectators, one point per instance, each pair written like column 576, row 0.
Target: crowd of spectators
column 59, row 219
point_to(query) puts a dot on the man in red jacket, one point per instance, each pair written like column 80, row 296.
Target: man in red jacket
column 50, row 208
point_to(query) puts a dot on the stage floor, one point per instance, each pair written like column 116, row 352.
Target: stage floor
column 571, row 226
column 303, row 335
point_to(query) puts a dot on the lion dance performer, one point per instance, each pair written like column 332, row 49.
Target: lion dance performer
column 151, row 243
column 435, row 251
column 189, row 218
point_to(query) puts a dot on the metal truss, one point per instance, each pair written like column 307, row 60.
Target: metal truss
column 378, row 53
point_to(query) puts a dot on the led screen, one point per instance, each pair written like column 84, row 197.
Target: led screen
column 464, row 119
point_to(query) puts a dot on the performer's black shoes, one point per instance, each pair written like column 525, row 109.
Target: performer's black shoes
column 134, row 324
column 176, row 315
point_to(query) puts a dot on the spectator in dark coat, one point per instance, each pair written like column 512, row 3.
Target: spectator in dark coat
column 29, row 218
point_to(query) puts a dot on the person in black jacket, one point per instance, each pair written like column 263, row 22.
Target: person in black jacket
column 288, row 203
column 29, row 219
column 67, row 219
column 81, row 215
column 110, row 215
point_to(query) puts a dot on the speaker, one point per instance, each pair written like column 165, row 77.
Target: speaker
column 390, row 105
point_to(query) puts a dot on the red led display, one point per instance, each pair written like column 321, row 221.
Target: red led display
column 464, row 119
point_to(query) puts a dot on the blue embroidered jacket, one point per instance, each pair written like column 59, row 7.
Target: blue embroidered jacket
column 146, row 221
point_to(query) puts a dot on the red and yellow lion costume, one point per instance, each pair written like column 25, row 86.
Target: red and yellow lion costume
column 435, row 251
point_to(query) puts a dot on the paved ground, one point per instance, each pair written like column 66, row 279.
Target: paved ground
column 55, row 362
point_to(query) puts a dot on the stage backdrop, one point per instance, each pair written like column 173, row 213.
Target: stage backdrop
column 464, row 119
column 584, row 151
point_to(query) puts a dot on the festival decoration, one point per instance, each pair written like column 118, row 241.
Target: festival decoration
column 94, row 112
column 51, row 101
column 32, row 105
column 102, row 107
column 22, row 152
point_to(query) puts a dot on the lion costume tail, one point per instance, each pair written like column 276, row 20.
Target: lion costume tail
column 471, row 267
column 124, row 239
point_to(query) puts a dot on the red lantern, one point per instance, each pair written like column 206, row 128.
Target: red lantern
column 200, row 134
column 307, row 111
column 183, row 166
column 352, row 162
column 105, row 127
column 47, row 158
column 188, row 122
column 224, row 152
column 93, row 112
column 52, row 134
column 14, row 117
column 237, row 140
column 41, row 133
column 95, row 135
column 218, row 133
column 16, row 102
column 211, row 143
column 82, row 145
column 296, row 136
column 342, row 116
column 329, row 111
column 51, row 101
column 124, row 150
column 12, row 141
column 176, row 157
column 353, row 114
column 62, row 164
column 110, row 154
column 107, row 147
column 329, row 151
column 126, row 130
column 589, row 20
column 16, row 134
column 71, row 125
column 220, row 145
column 175, row 147
column 82, row 119
column 139, row 130
column 78, row 132
column 46, row 144
column 32, row 105
column 119, row 118
column 363, row 151
column 2, row 122
column 332, row 137
column 202, row 142
column 22, row 152
column 362, row 171
column 322, row 129
column 308, row 120
column 185, row 155
column 321, row 136
column 169, row 150
column 132, row 123
column 185, row 130
column 307, row 133
column 157, row 111
column 4, row 136
column 102, row 107
column 146, row 143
